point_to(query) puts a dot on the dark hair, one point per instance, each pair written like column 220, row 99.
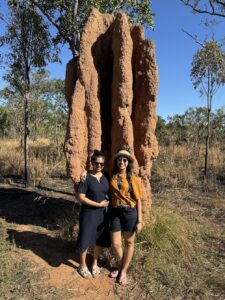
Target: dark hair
column 97, row 154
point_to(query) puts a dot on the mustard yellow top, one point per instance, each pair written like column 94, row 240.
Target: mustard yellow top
column 121, row 194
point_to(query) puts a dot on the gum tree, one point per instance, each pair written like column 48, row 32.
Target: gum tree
column 29, row 47
column 69, row 16
column 208, row 75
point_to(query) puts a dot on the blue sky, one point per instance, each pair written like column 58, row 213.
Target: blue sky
column 174, row 51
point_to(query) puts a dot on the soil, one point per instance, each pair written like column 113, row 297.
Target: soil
column 36, row 224
column 60, row 264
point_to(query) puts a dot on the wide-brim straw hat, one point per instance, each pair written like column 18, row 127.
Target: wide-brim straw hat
column 124, row 153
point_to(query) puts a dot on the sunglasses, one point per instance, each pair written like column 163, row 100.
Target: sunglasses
column 98, row 163
column 122, row 159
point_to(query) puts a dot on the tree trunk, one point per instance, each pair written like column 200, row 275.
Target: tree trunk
column 26, row 148
column 207, row 143
column 209, row 107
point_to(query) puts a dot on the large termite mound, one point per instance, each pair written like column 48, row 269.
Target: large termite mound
column 111, row 92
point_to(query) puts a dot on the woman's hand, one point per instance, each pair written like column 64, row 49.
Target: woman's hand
column 83, row 176
column 104, row 203
column 139, row 227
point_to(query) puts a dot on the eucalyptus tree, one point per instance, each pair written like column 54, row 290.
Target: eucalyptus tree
column 210, row 7
column 208, row 75
column 218, row 126
column 15, row 103
column 69, row 16
column 47, row 108
column 161, row 130
column 49, row 111
column 6, row 117
column 29, row 47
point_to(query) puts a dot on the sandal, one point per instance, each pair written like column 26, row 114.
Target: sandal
column 123, row 280
column 95, row 271
column 114, row 273
column 84, row 272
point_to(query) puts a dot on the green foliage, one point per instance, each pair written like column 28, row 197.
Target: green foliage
column 208, row 68
column 6, row 117
column 70, row 16
column 48, row 108
column 13, row 102
column 28, row 40
column 208, row 74
column 190, row 127
column 161, row 130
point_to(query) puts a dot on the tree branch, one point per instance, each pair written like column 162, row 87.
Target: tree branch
column 76, row 7
column 195, row 38
column 203, row 88
column 52, row 21
column 212, row 7
column 12, row 28
column 203, row 11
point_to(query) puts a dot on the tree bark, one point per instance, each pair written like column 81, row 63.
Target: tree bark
column 26, row 120
column 209, row 106
column 207, row 143
column 26, row 137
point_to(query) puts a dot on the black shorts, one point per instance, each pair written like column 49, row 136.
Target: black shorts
column 123, row 219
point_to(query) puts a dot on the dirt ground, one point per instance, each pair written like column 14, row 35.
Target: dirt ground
column 35, row 224
column 42, row 225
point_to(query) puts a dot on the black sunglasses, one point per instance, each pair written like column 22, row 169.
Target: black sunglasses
column 98, row 163
column 121, row 159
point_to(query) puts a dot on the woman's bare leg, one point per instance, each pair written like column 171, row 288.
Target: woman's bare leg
column 97, row 250
column 128, row 252
column 83, row 256
column 116, row 239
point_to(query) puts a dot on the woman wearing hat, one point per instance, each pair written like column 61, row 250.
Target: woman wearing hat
column 125, row 212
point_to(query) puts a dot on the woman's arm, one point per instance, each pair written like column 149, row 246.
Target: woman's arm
column 84, row 200
column 139, row 221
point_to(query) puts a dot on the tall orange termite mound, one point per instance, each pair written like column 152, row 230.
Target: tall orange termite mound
column 111, row 92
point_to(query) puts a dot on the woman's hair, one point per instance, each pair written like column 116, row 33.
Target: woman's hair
column 97, row 154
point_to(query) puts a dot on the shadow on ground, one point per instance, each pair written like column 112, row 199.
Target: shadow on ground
column 24, row 207
column 51, row 249
column 27, row 207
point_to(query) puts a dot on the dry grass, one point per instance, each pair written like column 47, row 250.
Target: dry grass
column 11, row 158
column 46, row 159
column 176, row 167
column 180, row 254
column 181, row 167
column 179, row 258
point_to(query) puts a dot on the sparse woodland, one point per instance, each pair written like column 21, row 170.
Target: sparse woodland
column 179, row 254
